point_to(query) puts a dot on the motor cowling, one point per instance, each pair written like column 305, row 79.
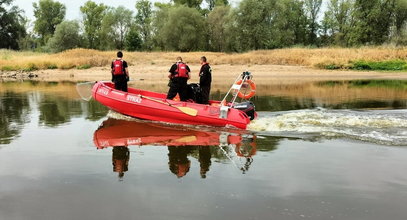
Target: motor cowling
column 246, row 107
column 194, row 92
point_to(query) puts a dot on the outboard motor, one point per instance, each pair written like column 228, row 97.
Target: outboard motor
column 194, row 92
column 246, row 107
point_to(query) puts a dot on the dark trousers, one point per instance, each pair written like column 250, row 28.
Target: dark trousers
column 205, row 92
column 120, row 83
column 178, row 85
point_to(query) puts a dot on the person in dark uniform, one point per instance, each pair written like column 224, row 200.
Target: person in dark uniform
column 179, row 75
column 120, row 73
column 205, row 80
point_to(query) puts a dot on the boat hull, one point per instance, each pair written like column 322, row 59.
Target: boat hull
column 114, row 132
column 133, row 104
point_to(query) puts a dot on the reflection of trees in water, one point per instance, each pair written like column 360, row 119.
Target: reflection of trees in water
column 95, row 110
column 53, row 111
column 276, row 103
column 395, row 104
column 270, row 103
column 14, row 110
column 285, row 103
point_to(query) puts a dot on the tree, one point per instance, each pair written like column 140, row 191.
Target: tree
column 213, row 3
column 48, row 14
column 183, row 30
column 144, row 18
column 133, row 41
column 11, row 25
column 373, row 19
column 337, row 21
column 217, row 25
column 251, row 25
column 289, row 24
column 93, row 15
column 66, row 37
column 115, row 25
column 399, row 35
column 313, row 7
column 160, row 18
column 400, row 14
column 189, row 3
column 29, row 40
column 122, row 24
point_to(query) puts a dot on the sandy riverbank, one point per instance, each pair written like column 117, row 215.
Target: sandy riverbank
column 222, row 74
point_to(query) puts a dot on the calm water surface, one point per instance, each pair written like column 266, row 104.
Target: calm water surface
column 306, row 157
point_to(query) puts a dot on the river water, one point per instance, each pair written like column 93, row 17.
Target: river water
column 331, row 150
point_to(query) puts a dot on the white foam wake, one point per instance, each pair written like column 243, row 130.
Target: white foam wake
column 385, row 127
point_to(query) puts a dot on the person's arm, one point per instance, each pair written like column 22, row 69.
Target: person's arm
column 172, row 71
column 189, row 72
column 126, row 70
column 112, row 72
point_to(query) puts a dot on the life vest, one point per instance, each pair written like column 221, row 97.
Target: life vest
column 118, row 68
column 182, row 70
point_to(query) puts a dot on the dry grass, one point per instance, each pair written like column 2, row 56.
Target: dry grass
column 83, row 58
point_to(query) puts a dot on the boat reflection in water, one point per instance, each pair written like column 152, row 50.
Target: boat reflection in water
column 182, row 142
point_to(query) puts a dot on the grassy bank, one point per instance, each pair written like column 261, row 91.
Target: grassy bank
column 324, row 58
column 387, row 65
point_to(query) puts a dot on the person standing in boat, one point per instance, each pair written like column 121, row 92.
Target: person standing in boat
column 120, row 73
column 205, row 80
column 179, row 75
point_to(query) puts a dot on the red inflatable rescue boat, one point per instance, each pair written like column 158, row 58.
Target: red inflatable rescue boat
column 154, row 106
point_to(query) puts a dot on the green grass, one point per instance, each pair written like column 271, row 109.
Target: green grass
column 391, row 84
column 31, row 67
column 331, row 67
column 83, row 67
column 51, row 66
column 390, row 65
column 9, row 68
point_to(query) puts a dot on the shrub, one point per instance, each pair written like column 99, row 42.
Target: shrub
column 390, row 65
column 85, row 66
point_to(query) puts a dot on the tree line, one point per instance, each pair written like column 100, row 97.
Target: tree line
column 185, row 25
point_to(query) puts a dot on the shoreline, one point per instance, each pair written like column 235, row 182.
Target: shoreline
column 157, row 74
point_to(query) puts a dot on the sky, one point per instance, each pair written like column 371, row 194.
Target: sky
column 72, row 6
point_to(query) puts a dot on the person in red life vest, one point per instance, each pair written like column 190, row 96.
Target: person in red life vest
column 120, row 73
column 179, row 75
column 205, row 80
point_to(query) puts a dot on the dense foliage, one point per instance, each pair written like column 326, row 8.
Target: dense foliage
column 11, row 25
column 212, row 25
